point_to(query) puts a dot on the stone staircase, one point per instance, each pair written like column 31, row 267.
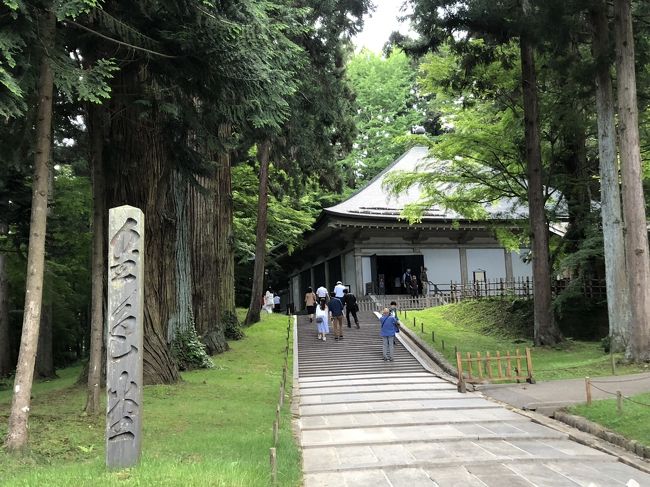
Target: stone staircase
column 365, row 422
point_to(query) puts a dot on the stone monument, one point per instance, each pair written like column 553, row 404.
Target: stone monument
column 124, row 337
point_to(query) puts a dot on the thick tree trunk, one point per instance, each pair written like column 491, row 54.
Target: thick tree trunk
column 203, row 212
column 225, row 241
column 45, row 352
column 263, row 155
column 96, row 129
column 636, row 233
column 618, row 306
column 139, row 174
column 5, row 353
column 545, row 329
column 17, row 434
column 182, row 320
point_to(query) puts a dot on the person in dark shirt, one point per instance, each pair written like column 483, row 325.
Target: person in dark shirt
column 351, row 306
column 336, row 312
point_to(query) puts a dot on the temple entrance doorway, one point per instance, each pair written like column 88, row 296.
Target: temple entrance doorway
column 390, row 269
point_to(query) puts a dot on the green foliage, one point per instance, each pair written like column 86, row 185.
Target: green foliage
column 90, row 84
column 491, row 325
column 633, row 423
column 388, row 105
column 188, row 351
column 232, row 327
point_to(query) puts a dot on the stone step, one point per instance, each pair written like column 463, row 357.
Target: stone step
column 566, row 472
column 400, row 434
column 376, row 388
column 444, row 454
column 369, row 377
column 429, row 416
column 382, row 406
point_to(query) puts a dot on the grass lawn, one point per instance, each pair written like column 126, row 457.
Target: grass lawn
column 461, row 326
column 212, row 429
column 633, row 423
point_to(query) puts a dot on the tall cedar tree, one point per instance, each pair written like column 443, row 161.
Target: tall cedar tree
column 497, row 24
column 618, row 307
column 636, row 232
column 17, row 433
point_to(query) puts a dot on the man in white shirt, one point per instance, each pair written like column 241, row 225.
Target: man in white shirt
column 322, row 292
column 338, row 289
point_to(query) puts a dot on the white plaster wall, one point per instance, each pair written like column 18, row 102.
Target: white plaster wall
column 443, row 265
column 492, row 261
column 349, row 272
column 519, row 267
column 366, row 272
column 298, row 301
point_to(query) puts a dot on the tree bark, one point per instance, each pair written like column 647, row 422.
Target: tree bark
column 636, row 233
column 139, row 174
column 96, row 128
column 545, row 329
column 5, row 352
column 45, row 353
column 263, row 155
column 225, row 241
column 17, row 434
column 618, row 306
column 203, row 212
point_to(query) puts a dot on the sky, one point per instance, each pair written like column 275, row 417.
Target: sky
column 379, row 24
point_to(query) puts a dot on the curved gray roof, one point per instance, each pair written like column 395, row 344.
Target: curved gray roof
column 373, row 201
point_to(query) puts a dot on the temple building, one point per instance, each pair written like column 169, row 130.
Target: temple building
column 364, row 243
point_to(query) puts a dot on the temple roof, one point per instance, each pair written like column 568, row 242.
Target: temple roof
column 374, row 201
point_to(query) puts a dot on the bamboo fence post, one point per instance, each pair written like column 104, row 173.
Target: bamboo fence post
column 469, row 366
column 588, row 390
column 459, row 366
column 275, row 432
column 488, row 364
column 518, row 359
column 479, row 365
column 421, row 327
column 529, row 366
column 499, row 371
column 443, row 345
column 274, row 465
column 433, row 336
column 508, row 365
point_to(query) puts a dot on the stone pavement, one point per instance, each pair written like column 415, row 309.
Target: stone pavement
column 547, row 397
column 364, row 422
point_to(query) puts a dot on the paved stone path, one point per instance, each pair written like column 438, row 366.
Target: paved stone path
column 365, row 422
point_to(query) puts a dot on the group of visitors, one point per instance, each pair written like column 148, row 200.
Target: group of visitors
column 271, row 301
column 328, row 308
column 414, row 286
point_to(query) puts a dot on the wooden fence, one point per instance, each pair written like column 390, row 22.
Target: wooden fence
column 479, row 368
column 454, row 292
column 377, row 303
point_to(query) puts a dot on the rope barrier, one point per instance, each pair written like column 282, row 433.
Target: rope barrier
column 273, row 455
column 627, row 398
column 620, row 380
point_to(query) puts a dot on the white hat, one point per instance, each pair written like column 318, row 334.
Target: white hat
column 339, row 282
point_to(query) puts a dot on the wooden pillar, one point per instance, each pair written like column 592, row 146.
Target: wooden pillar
column 124, row 337
column 508, row 259
column 463, row 265
column 358, row 268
